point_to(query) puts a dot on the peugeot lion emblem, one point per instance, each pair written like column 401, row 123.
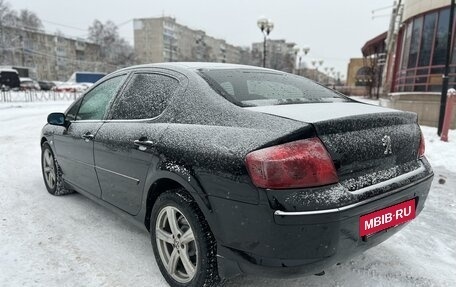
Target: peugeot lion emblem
column 387, row 144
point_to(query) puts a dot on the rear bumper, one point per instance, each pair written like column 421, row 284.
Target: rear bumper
column 255, row 239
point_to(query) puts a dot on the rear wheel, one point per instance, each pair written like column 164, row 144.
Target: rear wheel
column 52, row 174
column 183, row 244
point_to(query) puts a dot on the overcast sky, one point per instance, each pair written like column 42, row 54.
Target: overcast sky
column 335, row 30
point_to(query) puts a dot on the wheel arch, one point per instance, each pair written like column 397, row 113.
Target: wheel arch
column 167, row 180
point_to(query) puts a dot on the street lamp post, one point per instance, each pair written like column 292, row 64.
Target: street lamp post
column 296, row 55
column 316, row 64
column 445, row 78
column 327, row 75
column 331, row 73
column 266, row 26
column 305, row 50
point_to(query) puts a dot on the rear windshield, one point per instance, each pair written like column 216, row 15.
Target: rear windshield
column 250, row 87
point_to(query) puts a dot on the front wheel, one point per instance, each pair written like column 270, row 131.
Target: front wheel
column 183, row 244
column 52, row 174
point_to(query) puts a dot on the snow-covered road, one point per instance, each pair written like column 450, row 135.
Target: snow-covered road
column 71, row 241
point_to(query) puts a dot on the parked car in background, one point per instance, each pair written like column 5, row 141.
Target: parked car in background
column 86, row 77
column 9, row 79
column 57, row 83
column 71, row 87
column 238, row 169
column 28, row 84
column 46, row 85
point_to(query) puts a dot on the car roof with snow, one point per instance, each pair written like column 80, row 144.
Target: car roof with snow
column 193, row 66
column 8, row 70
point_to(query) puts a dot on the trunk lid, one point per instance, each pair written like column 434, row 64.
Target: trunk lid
column 367, row 143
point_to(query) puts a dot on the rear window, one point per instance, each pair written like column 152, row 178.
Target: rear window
column 250, row 87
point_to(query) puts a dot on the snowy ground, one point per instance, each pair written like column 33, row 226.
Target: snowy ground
column 71, row 241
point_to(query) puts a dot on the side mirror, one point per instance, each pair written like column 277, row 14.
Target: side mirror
column 56, row 119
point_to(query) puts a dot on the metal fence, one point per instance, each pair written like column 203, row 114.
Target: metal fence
column 37, row 96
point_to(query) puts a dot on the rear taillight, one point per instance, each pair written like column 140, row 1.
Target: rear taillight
column 422, row 147
column 302, row 163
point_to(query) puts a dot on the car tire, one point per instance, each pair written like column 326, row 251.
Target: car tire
column 181, row 236
column 52, row 173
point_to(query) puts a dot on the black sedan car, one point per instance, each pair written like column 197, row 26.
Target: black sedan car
column 237, row 169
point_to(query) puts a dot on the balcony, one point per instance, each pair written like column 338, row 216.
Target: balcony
column 80, row 45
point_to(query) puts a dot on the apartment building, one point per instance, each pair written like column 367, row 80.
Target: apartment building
column 280, row 55
column 164, row 40
column 48, row 56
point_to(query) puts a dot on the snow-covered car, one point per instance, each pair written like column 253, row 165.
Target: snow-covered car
column 71, row 87
column 28, row 84
column 237, row 169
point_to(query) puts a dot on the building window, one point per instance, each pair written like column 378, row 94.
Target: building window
column 424, row 44
column 441, row 38
column 415, row 42
column 363, row 76
column 427, row 39
column 79, row 55
column 406, row 51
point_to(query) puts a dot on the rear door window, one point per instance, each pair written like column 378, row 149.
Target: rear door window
column 146, row 96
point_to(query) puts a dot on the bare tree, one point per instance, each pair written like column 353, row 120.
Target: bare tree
column 24, row 19
column 4, row 8
column 103, row 34
column 123, row 52
column 7, row 15
column 28, row 19
column 7, row 18
column 114, row 49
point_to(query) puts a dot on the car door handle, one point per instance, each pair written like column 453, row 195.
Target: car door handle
column 88, row 136
column 143, row 144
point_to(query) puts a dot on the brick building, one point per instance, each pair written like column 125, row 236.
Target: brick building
column 413, row 74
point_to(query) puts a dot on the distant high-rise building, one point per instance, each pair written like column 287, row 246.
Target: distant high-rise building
column 164, row 40
column 280, row 55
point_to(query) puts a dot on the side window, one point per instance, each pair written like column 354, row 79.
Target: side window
column 95, row 103
column 71, row 114
column 145, row 97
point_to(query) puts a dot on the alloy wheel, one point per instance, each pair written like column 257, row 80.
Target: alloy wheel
column 176, row 244
column 49, row 171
